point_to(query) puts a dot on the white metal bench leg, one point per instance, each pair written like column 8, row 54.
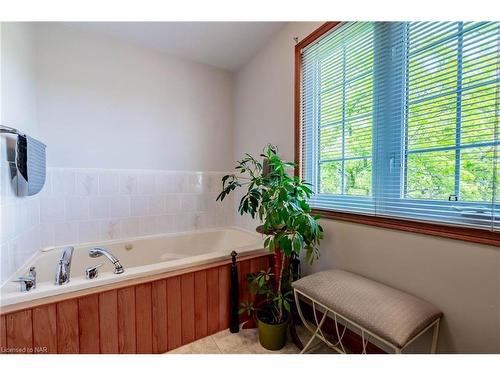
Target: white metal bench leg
column 315, row 333
column 364, row 341
column 318, row 332
column 435, row 334
column 299, row 310
column 338, row 334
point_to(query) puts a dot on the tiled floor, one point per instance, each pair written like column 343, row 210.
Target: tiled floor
column 246, row 342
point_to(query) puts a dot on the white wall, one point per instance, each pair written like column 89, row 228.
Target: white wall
column 264, row 100
column 19, row 217
column 119, row 121
column 104, row 103
column 463, row 279
column 264, row 89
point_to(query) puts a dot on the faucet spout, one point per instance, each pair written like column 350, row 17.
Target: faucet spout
column 99, row 251
column 64, row 266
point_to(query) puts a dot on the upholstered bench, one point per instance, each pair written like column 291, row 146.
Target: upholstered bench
column 380, row 312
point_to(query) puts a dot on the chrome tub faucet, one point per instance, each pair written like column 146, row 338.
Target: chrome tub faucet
column 27, row 282
column 98, row 251
column 64, row 266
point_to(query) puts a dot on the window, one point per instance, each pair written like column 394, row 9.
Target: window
column 345, row 117
column 400, row 120
column 451, row 102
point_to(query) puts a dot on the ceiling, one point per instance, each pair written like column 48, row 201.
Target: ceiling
column 226, row 45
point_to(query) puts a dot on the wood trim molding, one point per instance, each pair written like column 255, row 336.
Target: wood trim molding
column 319, row 32
column 480, row 236
column 316, row 34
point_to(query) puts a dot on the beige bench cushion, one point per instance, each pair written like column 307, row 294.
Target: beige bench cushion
column 393, row 315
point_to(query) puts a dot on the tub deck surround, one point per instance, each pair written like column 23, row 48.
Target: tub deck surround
column 175, row 289
column 147, row 317
column 144, row 258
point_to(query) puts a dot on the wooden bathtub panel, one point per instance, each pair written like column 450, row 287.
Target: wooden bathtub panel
column 3, row 333
column 200, row 304
column 174, row 313
column 143, row 318
column 45, row 329
column 213, row 300
column 19, row 331
column 264, row 262
column 187, row 308
column 67, row 327
column 243, row 270
column 126, row 320
column 88, row 324
column 255, row 265
column 108, row 322
column 224, row 296
column 159, row 302
column 114, row 320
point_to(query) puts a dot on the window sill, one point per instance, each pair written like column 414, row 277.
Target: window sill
column 457, row 233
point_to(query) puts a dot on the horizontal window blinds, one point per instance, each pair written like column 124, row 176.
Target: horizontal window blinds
column 400, row 119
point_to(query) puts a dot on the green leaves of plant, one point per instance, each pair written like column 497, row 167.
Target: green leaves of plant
column 279, row 200
column 246, row 307
column 232, row 183
column 269, row 300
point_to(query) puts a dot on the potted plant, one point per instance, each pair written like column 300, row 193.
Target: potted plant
column 279, row 200
column 270, row 309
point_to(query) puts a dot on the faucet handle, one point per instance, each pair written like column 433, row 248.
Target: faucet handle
column 91, row 272
column 66, row 255
column 28, row 282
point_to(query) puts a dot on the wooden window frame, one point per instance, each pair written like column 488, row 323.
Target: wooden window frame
column 480, row 236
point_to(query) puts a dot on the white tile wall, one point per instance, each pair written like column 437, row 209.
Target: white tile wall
column 92, row 205
column 19, row 225
column 88, row 205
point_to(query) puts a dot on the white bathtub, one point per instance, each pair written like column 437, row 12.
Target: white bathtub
column 141, row 256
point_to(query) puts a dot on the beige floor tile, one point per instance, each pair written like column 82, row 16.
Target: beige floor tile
column 321, row 348
column 247, row 342
column 205, row 345
column 243, row 342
